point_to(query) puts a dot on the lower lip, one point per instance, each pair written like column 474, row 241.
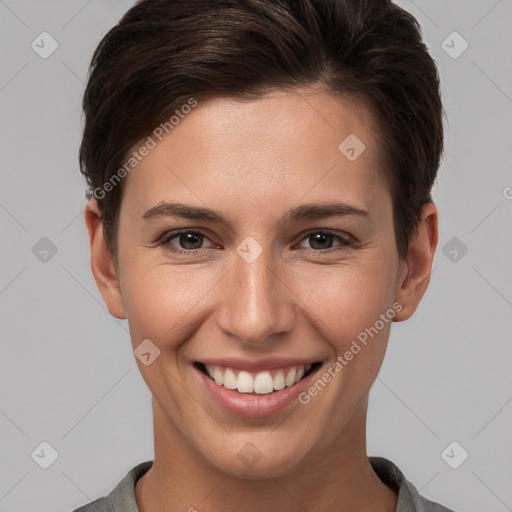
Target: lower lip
column 254, row 406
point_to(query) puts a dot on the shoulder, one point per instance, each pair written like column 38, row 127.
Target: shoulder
column 409, row 499
column 99, row 505
column 419, row 502
column 122, row 496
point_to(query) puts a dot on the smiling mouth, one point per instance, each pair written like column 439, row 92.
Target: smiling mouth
column 257, row 383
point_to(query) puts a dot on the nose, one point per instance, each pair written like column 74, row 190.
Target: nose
column 257, row 303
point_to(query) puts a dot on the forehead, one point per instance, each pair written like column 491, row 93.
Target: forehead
column 283, row 145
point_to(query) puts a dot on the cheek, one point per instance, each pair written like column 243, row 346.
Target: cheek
column 348, row 299
column 160, row 298
column 164, row 301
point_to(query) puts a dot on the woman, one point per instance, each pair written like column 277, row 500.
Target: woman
column 260, row 211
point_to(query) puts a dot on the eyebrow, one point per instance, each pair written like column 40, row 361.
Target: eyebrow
column 303, row 212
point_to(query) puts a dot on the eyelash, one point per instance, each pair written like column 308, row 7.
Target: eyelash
column 165, row 241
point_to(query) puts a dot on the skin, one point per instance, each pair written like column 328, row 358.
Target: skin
column 252, row 161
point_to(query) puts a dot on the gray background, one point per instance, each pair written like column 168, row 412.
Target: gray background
column 68, row 375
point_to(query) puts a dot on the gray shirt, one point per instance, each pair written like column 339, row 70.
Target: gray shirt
column 122, row 497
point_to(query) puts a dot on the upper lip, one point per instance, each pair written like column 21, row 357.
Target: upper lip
column 258, row 364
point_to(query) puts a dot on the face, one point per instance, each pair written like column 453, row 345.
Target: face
column 280, row 260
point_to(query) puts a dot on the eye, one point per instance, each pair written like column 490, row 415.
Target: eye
column 189, row 241
column 322, row 240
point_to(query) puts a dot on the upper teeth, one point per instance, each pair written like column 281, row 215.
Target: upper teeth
column 260, row 382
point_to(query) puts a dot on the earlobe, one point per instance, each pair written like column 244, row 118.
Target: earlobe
column 416, row 270
column 102, row 263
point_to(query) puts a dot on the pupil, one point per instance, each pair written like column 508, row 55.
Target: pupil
column 188, row 238
column 319, row 237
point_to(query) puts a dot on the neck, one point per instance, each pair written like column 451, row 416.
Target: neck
column 337, row 478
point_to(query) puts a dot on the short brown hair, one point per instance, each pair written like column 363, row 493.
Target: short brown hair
column 163, row 52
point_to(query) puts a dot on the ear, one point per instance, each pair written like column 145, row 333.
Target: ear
column 414, row 274
column 102, row 263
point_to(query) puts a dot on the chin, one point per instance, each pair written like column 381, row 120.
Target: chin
column 253, row 461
